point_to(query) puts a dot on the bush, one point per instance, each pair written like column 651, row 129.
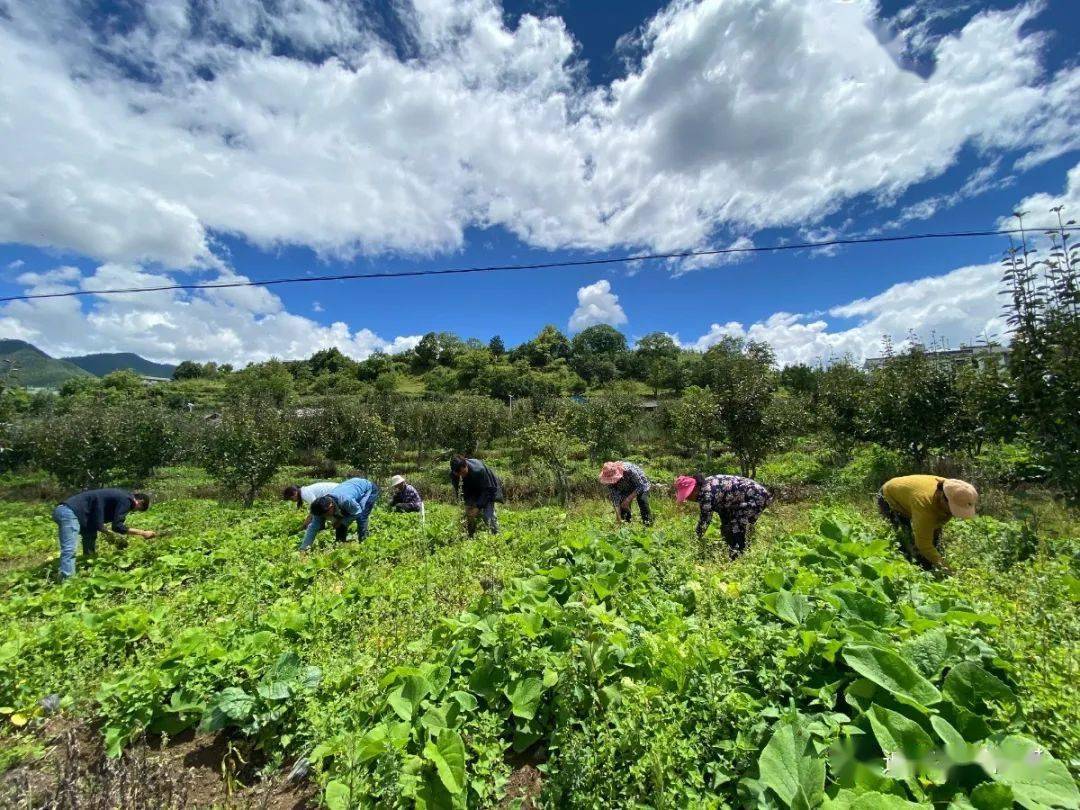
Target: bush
column 97, row 444
column 246, row 448
column 353, row 433
column 869, row 468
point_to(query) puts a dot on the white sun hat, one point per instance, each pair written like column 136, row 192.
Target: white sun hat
column 396, row 480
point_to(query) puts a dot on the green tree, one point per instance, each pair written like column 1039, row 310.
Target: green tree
column 468, row 422
column 549, row 443
column 1044, row 319
column 269, row 384
column 188, row 370
column 658, row 360
column 911, row 404
column 743, row 382
column 605, row 423
column 841, row 392
column 547, row 347
column 355, row 434
column 693, row 422
column 598, row 353
column 101, row 444
column 496, row 347
column 426, row 353
column 246, row 448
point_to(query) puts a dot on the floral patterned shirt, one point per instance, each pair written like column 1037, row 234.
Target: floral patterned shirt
column 738, row 500
column 633, row 481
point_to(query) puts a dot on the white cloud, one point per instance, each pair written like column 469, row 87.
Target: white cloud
column 1039, row 206
column 138, row 142
column 958, row 307
column 316, row 307
column 596, row 304
column 236, row 325
column 15, row 265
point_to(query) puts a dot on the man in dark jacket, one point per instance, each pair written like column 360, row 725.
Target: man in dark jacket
column 88, row 513
column 479, row 488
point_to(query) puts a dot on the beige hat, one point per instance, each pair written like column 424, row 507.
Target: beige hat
column 961, row 496
column 397, row 480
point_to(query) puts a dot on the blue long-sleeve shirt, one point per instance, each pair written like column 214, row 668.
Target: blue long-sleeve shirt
column 353, row 499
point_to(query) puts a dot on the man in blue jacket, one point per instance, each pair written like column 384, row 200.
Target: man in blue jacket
column 348, row 501
column 87, row 513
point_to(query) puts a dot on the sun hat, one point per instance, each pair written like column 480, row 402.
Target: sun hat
column 397, row 479
column 611, row 473
column 961, row 496
column 684, row 487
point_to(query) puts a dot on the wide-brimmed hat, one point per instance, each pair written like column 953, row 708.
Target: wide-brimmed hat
column 961, row 496
column 397, row 479
column 611, row 473
column 684, row 487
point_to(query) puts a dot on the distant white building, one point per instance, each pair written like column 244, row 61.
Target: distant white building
column 977, row 355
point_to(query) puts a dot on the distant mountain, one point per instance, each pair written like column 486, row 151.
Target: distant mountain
column 28, row 365
column 102, row 364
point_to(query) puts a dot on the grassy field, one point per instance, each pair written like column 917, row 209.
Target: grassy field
column 562, row 663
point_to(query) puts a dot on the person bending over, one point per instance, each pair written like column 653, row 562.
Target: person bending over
column 738, row 502
column 87, row 513
column 350, row 501
column 479, row 488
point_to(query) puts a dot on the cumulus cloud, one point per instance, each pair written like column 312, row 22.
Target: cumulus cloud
column 236, row 325
column 596, row 304
column 958, row 307
column 1039, row 206
column 139, row 142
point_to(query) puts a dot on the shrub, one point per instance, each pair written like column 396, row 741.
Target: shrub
column 244, row 451
column 98, row 444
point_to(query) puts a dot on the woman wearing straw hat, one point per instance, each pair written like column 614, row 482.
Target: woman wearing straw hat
column 918, row 506
column 627, row 482
column 405, row 498
column 738, row 501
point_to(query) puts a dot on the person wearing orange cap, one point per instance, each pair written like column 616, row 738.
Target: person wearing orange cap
column 627, row 482
column 738, row 501
column 919, row 505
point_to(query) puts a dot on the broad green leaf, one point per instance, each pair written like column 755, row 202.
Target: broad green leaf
column 525, row 697
column 234, row 703
column 1036, row 778
column 992, row 796
column 448, row 754
column 337, row 796
column 850, row 800
column 793, row 608
column 465, row 700
column 787, row 766
column 904, row 742
column 278, row 690
column 957, row 749
column 892, row 672
column 406, row 698
column 927, row 651
column 970, row 686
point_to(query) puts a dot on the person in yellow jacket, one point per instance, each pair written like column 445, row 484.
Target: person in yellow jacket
column 919, row 505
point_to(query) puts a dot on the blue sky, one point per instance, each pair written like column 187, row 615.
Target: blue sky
column 196, row 141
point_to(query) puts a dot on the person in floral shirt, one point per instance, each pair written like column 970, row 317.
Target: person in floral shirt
column 738, row 501
column 627, row 482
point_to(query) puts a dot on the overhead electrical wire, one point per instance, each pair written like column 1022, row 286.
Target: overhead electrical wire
column 449, row 271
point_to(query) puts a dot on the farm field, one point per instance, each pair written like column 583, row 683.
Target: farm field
column 563, row 663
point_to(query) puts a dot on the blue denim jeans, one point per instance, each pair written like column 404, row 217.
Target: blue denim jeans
column 69, row 537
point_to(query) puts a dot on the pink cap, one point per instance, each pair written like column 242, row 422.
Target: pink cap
column 611, row 473
column 684, row 487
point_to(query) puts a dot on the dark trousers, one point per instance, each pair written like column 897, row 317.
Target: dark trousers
column 905, row 536
column 404, row 507
column 643, row 507
column 481, row 510
column 735, row 539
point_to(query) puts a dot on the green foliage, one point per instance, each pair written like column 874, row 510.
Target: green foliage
column 604, row 424
column 96, row 444
column 549, row 443
column 267, row 384
column 248, row 445
column 350, row 431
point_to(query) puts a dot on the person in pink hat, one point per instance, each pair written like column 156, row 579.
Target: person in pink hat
column 738, row 501
column 627, row 482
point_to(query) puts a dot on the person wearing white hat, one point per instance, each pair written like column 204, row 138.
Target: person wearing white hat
column 919, row 506
column 405, row 498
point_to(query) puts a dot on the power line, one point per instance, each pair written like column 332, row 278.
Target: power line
column 449, row 271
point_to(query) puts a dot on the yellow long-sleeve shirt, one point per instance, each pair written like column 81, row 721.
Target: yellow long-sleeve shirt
column 915, row 497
